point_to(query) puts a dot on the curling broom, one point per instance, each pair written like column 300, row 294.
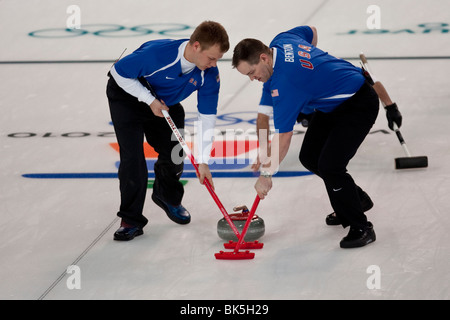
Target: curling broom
column 247, row 245
column 402, row 162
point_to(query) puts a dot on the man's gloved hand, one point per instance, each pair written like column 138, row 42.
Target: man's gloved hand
column 304, row 119
column 393, row 115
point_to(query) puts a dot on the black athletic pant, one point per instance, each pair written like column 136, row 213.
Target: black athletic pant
column 132, row 121
column 331, row 140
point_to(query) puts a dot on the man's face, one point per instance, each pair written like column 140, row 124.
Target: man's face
column 207, row 58
column 262, row 71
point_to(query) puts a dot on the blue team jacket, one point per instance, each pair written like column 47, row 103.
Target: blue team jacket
column 158, row 61
column 306, row 78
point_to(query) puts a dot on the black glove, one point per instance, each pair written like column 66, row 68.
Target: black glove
column 393, row 115
column 304, row 119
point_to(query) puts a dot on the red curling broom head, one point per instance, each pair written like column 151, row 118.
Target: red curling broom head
column 232, row 255
column 245, row 245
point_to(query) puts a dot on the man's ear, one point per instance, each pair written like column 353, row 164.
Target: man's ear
column 264, row 57
column 197, row 46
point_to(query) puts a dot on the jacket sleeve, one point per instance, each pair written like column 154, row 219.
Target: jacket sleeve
column 133, row 87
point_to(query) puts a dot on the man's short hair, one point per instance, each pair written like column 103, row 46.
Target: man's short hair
column 210, row 33
column 248, row 50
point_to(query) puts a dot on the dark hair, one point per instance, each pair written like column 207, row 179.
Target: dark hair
column 248, row 50
column 210, row 33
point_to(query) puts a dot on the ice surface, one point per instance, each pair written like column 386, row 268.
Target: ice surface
column 55, row 119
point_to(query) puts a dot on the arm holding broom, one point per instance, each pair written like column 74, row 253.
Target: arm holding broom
column 393, row 115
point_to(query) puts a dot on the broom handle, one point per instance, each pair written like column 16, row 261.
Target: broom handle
column 402, row 141
column 247, row 223
column 194, row 163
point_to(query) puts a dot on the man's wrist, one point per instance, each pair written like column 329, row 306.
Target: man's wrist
column 265, row 174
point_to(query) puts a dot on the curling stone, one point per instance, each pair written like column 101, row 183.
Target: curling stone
column 255, row 230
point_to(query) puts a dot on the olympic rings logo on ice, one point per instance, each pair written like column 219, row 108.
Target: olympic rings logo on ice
column 115, row 30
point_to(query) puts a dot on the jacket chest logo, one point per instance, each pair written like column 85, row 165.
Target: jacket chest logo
column 193, row 81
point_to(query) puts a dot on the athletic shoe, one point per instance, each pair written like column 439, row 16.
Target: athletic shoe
column 358, row 237
column 366, row 204
column 127, row 233
column 178, row 214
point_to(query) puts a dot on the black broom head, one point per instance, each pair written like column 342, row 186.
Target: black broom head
column 411, row 162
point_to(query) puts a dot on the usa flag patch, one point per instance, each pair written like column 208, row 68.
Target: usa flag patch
column 275, row 93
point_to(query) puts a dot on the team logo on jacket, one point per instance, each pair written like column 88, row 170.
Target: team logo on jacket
column 193, row 81
column 306, row 48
